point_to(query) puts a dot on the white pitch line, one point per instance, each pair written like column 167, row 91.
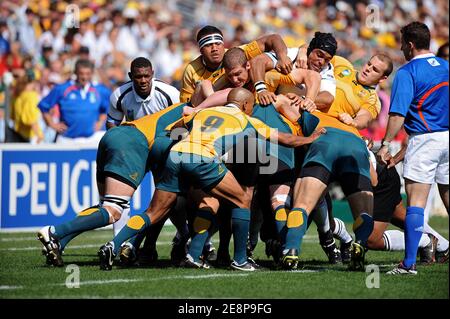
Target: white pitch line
column 10, row 287
column 119, row 281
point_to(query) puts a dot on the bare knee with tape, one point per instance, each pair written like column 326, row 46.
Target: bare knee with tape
column 281, row 200
column 115, row 205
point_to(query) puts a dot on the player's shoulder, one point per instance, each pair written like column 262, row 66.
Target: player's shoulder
column 64, row 85
column 338, row 61
column 124, row 87
column 194, row 66
column 122, row 90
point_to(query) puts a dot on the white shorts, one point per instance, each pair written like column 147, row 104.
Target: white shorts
column 426, row 158
column 93, row 140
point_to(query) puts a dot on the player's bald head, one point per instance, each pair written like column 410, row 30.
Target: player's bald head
column 242, row 98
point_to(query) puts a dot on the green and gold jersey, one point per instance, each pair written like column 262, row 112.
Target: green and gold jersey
column 155, row 124
column 215, row 130
column 351, row 96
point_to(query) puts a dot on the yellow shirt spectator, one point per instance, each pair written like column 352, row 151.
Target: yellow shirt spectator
column 26, row 115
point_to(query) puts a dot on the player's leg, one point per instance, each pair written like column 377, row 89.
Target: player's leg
column 203, row 224
column 307, row 193
column 443, row 191
column 66, row 239
column 417, row 195
column 162, row 201
column 117, row 198
column 321, row 218
column 280, row 203
column 160, row 206
column 228, row 188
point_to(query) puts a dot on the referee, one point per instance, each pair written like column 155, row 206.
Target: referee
column 419, row 102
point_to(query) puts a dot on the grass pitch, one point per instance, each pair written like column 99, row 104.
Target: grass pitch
column 23, row 274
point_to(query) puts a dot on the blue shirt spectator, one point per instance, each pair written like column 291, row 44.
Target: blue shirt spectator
column 82, row 104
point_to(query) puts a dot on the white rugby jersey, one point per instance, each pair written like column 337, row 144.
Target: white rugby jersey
column 327, row 83
column 124, row 102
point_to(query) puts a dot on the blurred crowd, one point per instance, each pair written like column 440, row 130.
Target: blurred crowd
column 40, row 40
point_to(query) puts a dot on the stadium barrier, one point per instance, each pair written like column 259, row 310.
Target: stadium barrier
column 49, row 184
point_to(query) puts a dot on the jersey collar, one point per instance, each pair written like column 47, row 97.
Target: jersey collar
column 210, row 69
column 422, row 56
column 367, row 87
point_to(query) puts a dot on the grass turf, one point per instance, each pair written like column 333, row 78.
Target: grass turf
column 23, row 274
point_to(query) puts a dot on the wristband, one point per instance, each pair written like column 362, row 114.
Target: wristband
column 260, row 86
column 385, row 143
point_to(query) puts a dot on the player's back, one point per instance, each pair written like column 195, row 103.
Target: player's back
column 430, row 77
column 420, row 93
column 154, row 125
column 212, row 131
column 326, row 120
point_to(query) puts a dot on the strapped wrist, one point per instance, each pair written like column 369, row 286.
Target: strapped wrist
column 260, row 86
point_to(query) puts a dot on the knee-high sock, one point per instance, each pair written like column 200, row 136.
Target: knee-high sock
column 363, row 227
column 320, row 217
column 66, row 239
column 296, row 228
column 256, row 220
column 394, row 240
column 240, row 219
column 135, row 225
column 340, row 232
column 442, row 243
column 152, row 233
column 225, row 231
column 90, row 218
column 178, row 219
column 118, row 225
column 413, row 231
column 281, row 213
column 202, row 224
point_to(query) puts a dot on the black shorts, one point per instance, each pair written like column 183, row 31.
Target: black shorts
column 386, row 195
column 350, row 182
column 284, row 174
column 243, row 162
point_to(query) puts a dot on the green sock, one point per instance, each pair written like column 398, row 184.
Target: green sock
column 90, row 218
column 202, row 225
column 66, row 239
column 134, row 226
column 280, row 222
column 240, row 219
column 297, row 224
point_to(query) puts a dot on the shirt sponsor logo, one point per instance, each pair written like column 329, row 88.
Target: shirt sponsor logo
column 433, row 62
column 345, row 72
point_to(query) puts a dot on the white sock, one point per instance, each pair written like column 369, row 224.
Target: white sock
column 394, row 240
column 320, row 217
column 118, row 225
column 340, row 232
column 442, row 243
